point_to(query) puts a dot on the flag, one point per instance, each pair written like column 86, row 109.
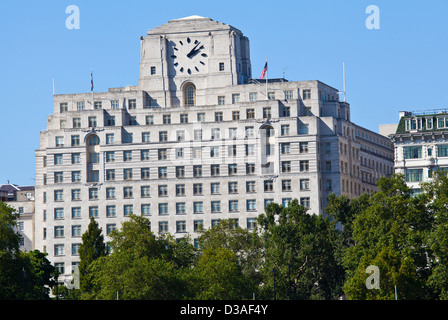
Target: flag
column 264, row 70
column 91, row 80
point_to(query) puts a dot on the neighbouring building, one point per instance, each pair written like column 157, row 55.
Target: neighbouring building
column 196, row 141
column 21, row 198
column 421, row 145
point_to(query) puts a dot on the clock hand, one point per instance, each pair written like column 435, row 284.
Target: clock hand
column 194, row 51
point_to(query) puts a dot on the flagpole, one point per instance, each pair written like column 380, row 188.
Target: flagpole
column 91, row 86
column 267, row 71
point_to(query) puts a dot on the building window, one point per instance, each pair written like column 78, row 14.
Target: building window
column 197, row 189
column 115, row 104
column 215, row 206
column 63, row 107
column 250, row 168
column 127, row 174
column 145, row 191
column 166, row 119
column 97, row 105
column 414, row 175
column 128, row 193
column 285, row 148
column 180, row 190
column 128, row 209
column 268, row 186
column 235, row 98
column 305, row 184
column 303, row 147
column 442, row 150
column 288, row 94
column 59, row 141
column 284, row 130
column 145, row 209
column 305, row 202
column 163, row 226
column 306, row 94
column 286, row 166
column 286, row 185
column 253, row 96
column 221, row 66
column 233, row 206
column 304, row 166
column 163, row 209
column 189, row 95
column 198, row 207
column 304, row 128
column 111, row 211
column 233, row 187
column 180, row 172
column 233, row 169
column 93, row 212
column 221, row 100
column 180, row 208
column 153, row 70
column 197, row 171
column 235, row 115
column 250, row 114
column 251, row 205
column 218, row 116
column 181, row 226
column 127, row 155
column 413, row 152
column 267, row 113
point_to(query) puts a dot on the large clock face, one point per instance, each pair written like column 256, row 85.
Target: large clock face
column 188, row 56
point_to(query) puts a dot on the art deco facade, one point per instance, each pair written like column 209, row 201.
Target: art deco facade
column 196, row 141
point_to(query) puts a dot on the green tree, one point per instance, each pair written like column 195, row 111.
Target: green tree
column 245, row 244
column 22, row 275
column 91, row 249
column 300, row 254
column 219, row 276
column 390, row 233
column 142, row 265
column 436, row 193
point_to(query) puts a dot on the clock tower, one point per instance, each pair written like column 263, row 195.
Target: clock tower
column 189, row 61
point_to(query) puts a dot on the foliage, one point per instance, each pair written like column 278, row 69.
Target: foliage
column 299, row 254
column 91, row 249
column 22, row 275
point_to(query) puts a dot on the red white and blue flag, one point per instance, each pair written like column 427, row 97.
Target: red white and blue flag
column 91, row 80
column 265, row 69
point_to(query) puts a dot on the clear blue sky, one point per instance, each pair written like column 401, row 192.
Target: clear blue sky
column 401, row 66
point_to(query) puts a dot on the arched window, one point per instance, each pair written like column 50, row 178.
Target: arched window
column 93, row 140
column 189, row 95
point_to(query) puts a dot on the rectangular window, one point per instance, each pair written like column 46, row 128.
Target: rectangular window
column 163, row 209
column 110, row 174
column 145, row 191
column 221, row 100
column 180, row 208
column 442, row 150
column 145, row 173
column 286, row 185
column 250, row 114
column 288, row 94
column 306, row 94
column 251, row 205
column 127, row 174
column 303, row 147
column 233, row 169
column 412, row 152
column 111, row 211
column 268, row 186
column 145, row 209
column 253, row 96
column 414, row 175
column 233, row 206
column 305, row 184
column 128, row 209
column 235, row 115
column 304, row 166
column 215, row 206
column 215, row 188
column 198, row 207
column 267, row 112
column 305, row 202
column 304, row 128
column 286, row 166
column 181, row 226
column 235, row 98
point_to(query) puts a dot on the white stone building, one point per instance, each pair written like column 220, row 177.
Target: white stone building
column 21, row 198
column 196, row 141
column 421, row 145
